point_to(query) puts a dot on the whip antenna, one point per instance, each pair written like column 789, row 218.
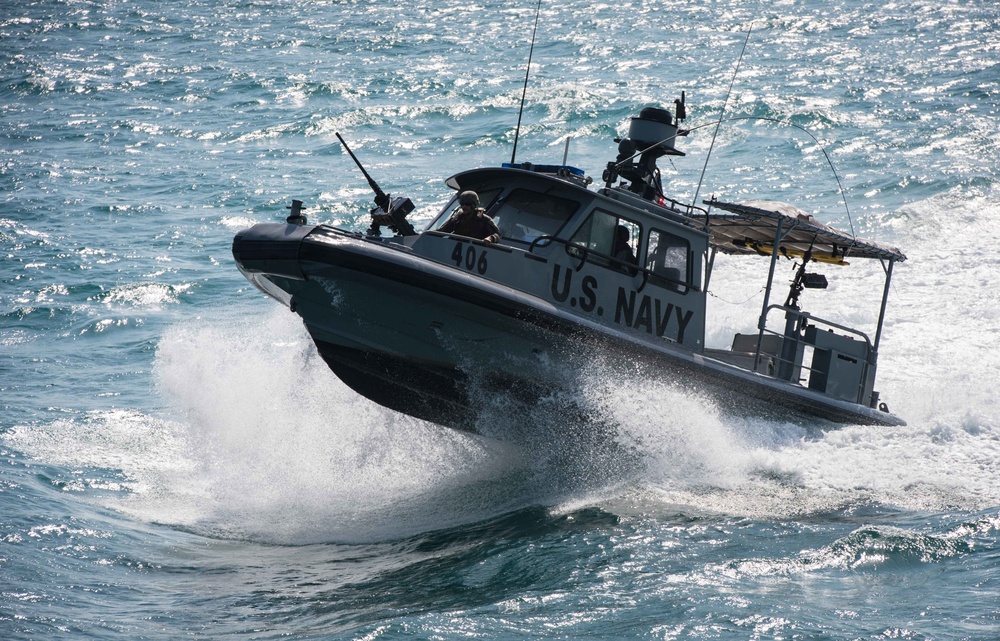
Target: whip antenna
column 719, row 123
column 520, row 112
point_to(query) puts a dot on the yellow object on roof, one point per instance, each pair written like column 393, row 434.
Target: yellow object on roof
column 751, row 228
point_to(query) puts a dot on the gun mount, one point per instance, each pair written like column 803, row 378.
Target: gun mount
column 651, row 135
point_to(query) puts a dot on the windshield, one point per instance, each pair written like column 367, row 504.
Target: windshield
column 526, row 215
column 486, row 200
column 522, row 216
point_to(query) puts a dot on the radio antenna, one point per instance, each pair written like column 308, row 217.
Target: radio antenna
column 722, row 115
column 524, row 91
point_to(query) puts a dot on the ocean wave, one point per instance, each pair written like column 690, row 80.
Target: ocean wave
column 145, row 294
column 879, row 546
column 866, row 549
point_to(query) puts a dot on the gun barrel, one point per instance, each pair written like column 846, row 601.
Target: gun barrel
column 380, row 198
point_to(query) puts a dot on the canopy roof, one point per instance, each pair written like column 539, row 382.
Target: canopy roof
column 750, row 228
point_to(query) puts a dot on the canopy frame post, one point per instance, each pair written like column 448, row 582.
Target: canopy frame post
column 762, row 321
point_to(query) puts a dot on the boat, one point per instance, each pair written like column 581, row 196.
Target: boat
column 434, row 325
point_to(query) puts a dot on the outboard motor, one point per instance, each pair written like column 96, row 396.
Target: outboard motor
column 651, row 135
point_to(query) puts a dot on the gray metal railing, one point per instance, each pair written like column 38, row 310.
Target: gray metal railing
column 820, row 374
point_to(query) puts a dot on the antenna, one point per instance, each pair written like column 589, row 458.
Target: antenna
column 520, row 112
column 719, row 123
column 829, row 161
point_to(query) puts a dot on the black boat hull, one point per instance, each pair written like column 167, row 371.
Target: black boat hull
column 432, row 341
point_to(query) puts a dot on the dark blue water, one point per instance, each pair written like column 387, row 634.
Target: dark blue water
column 177, row 462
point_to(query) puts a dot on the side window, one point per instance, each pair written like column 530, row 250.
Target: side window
column 526, row 215
column 667, row 260
column 608, row 237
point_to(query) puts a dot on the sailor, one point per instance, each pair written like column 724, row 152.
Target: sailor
column 471, row 220
column 622, row 250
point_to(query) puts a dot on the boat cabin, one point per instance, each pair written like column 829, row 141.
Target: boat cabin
column 610, row 257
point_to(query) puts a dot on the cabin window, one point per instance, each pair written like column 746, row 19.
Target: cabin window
column 667, row 260
column 611, row 241
column 526, row 215
column 486, row 200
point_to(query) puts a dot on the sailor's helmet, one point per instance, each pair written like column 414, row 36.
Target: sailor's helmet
column 469, row 198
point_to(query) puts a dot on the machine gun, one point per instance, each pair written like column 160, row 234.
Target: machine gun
column 804, row 280
column 795, row 323
column 388, row 211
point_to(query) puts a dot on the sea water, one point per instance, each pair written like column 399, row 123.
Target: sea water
column 177, row 462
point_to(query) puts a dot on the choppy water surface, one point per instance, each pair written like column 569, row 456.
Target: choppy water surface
column 178, row 462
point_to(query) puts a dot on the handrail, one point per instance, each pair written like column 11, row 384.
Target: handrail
column 689, row 206
column 545, row 241
column 683, row 212
column 816, row 321
column 469, row 239
column 807, row 315
column 585, row 252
